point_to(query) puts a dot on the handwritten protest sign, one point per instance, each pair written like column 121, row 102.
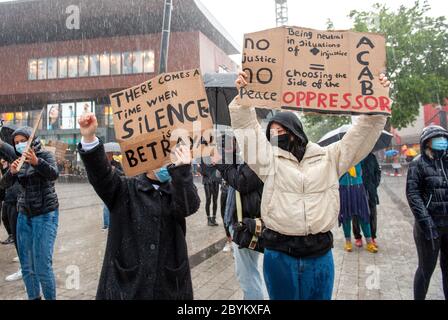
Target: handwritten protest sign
column 151, row 118
column 311, row 70
column 58, row 148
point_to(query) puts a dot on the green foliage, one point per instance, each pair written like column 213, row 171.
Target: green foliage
column 417, row 61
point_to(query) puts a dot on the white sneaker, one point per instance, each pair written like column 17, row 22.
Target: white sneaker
column 16, row 259
column 227, row 247
column 15, row 276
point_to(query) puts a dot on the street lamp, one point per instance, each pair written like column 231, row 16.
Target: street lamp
column 166, row 29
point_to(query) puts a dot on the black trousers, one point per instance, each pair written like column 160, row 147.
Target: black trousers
column 427, row 261
column 223, row 209
column 373, row 223
column 211, row 195
column 10, row 210
column 5, row 220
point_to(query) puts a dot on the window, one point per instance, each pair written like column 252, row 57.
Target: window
column 83, row 66
column 42, row 69
column 115, row 63
column 94, row 65
column 127, row 62
column 148, row 61
column 72, row 67
column 52, row 66
column 105, row 64
column 68, row 115
column 62, row 67
column 32, row 69
column 53, row 117
column 21, row 119
column 138, row 62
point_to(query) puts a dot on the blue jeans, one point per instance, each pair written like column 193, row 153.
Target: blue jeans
column 247, row 272
column 289, row 278
column 35, row 242
column 106, row 215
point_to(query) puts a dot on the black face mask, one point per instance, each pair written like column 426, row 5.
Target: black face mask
column 294, row 146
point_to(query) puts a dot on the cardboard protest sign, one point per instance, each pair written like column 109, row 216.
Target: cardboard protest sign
column 58, row 148
column 319, row 71
column 151, row 118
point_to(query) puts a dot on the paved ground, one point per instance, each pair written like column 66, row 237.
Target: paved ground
column 359, row 275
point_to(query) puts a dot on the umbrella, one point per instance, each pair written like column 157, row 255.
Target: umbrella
column 391, row 153
column 221, row 90
column 337, row 134
column 112, row 147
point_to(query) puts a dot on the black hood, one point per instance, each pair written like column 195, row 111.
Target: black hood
column 431, row 132
column 27, row 132
column 289, row 121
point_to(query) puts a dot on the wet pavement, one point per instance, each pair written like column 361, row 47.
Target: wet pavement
column 358, row 275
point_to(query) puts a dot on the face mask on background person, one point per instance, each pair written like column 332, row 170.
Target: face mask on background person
column 163, row 175
column 282, row 141
column 439, row 144
column 21, row 146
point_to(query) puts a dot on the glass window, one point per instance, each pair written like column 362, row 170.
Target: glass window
column 21, row 118
column 105, row 64
column 83, row 66
column 52, row 68
column 68, row 115
column 53, row 117
column 34, row 116
column 62, row 67
column 42, row 68
column 115, row 63
column 127, row 62
column 94, row 65
column 72, row 67
column 148, row 61
column 138, row 62
column 32, row 69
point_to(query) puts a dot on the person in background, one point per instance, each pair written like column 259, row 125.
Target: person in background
column 224, row 194
column 353, row 202
column 427, row 194
column 9, row 209
column 5, row 219
column 38, row 208
column 242, row 179
column 146, row 253
column 371, row 177
column 211, row 179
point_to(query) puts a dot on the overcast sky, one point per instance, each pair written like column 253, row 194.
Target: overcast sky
column 243, row 16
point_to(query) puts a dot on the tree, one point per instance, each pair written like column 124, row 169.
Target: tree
column 417, row 56
column 417, row 61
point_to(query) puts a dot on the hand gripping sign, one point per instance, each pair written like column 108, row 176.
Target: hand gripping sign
column 320, row 71
column 150, row 119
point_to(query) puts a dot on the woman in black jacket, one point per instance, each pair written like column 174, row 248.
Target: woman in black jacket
column 427, row 193
column 146, row 254
column 241, row 178
column 38, row 208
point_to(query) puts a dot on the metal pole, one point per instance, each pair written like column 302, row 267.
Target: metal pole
column 166, row 29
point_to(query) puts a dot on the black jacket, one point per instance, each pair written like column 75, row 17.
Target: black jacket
column 371, row 177
column 146, row 254
column 427, row 185
column 247, row 183
column 11, row 194
column 209, row 174
column 37, row 193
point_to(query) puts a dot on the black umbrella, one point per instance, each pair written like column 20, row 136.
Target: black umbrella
column 6, row 131
column 337, row 134
column 221, row 90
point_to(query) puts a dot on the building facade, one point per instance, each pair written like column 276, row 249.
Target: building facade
column 50, row 60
